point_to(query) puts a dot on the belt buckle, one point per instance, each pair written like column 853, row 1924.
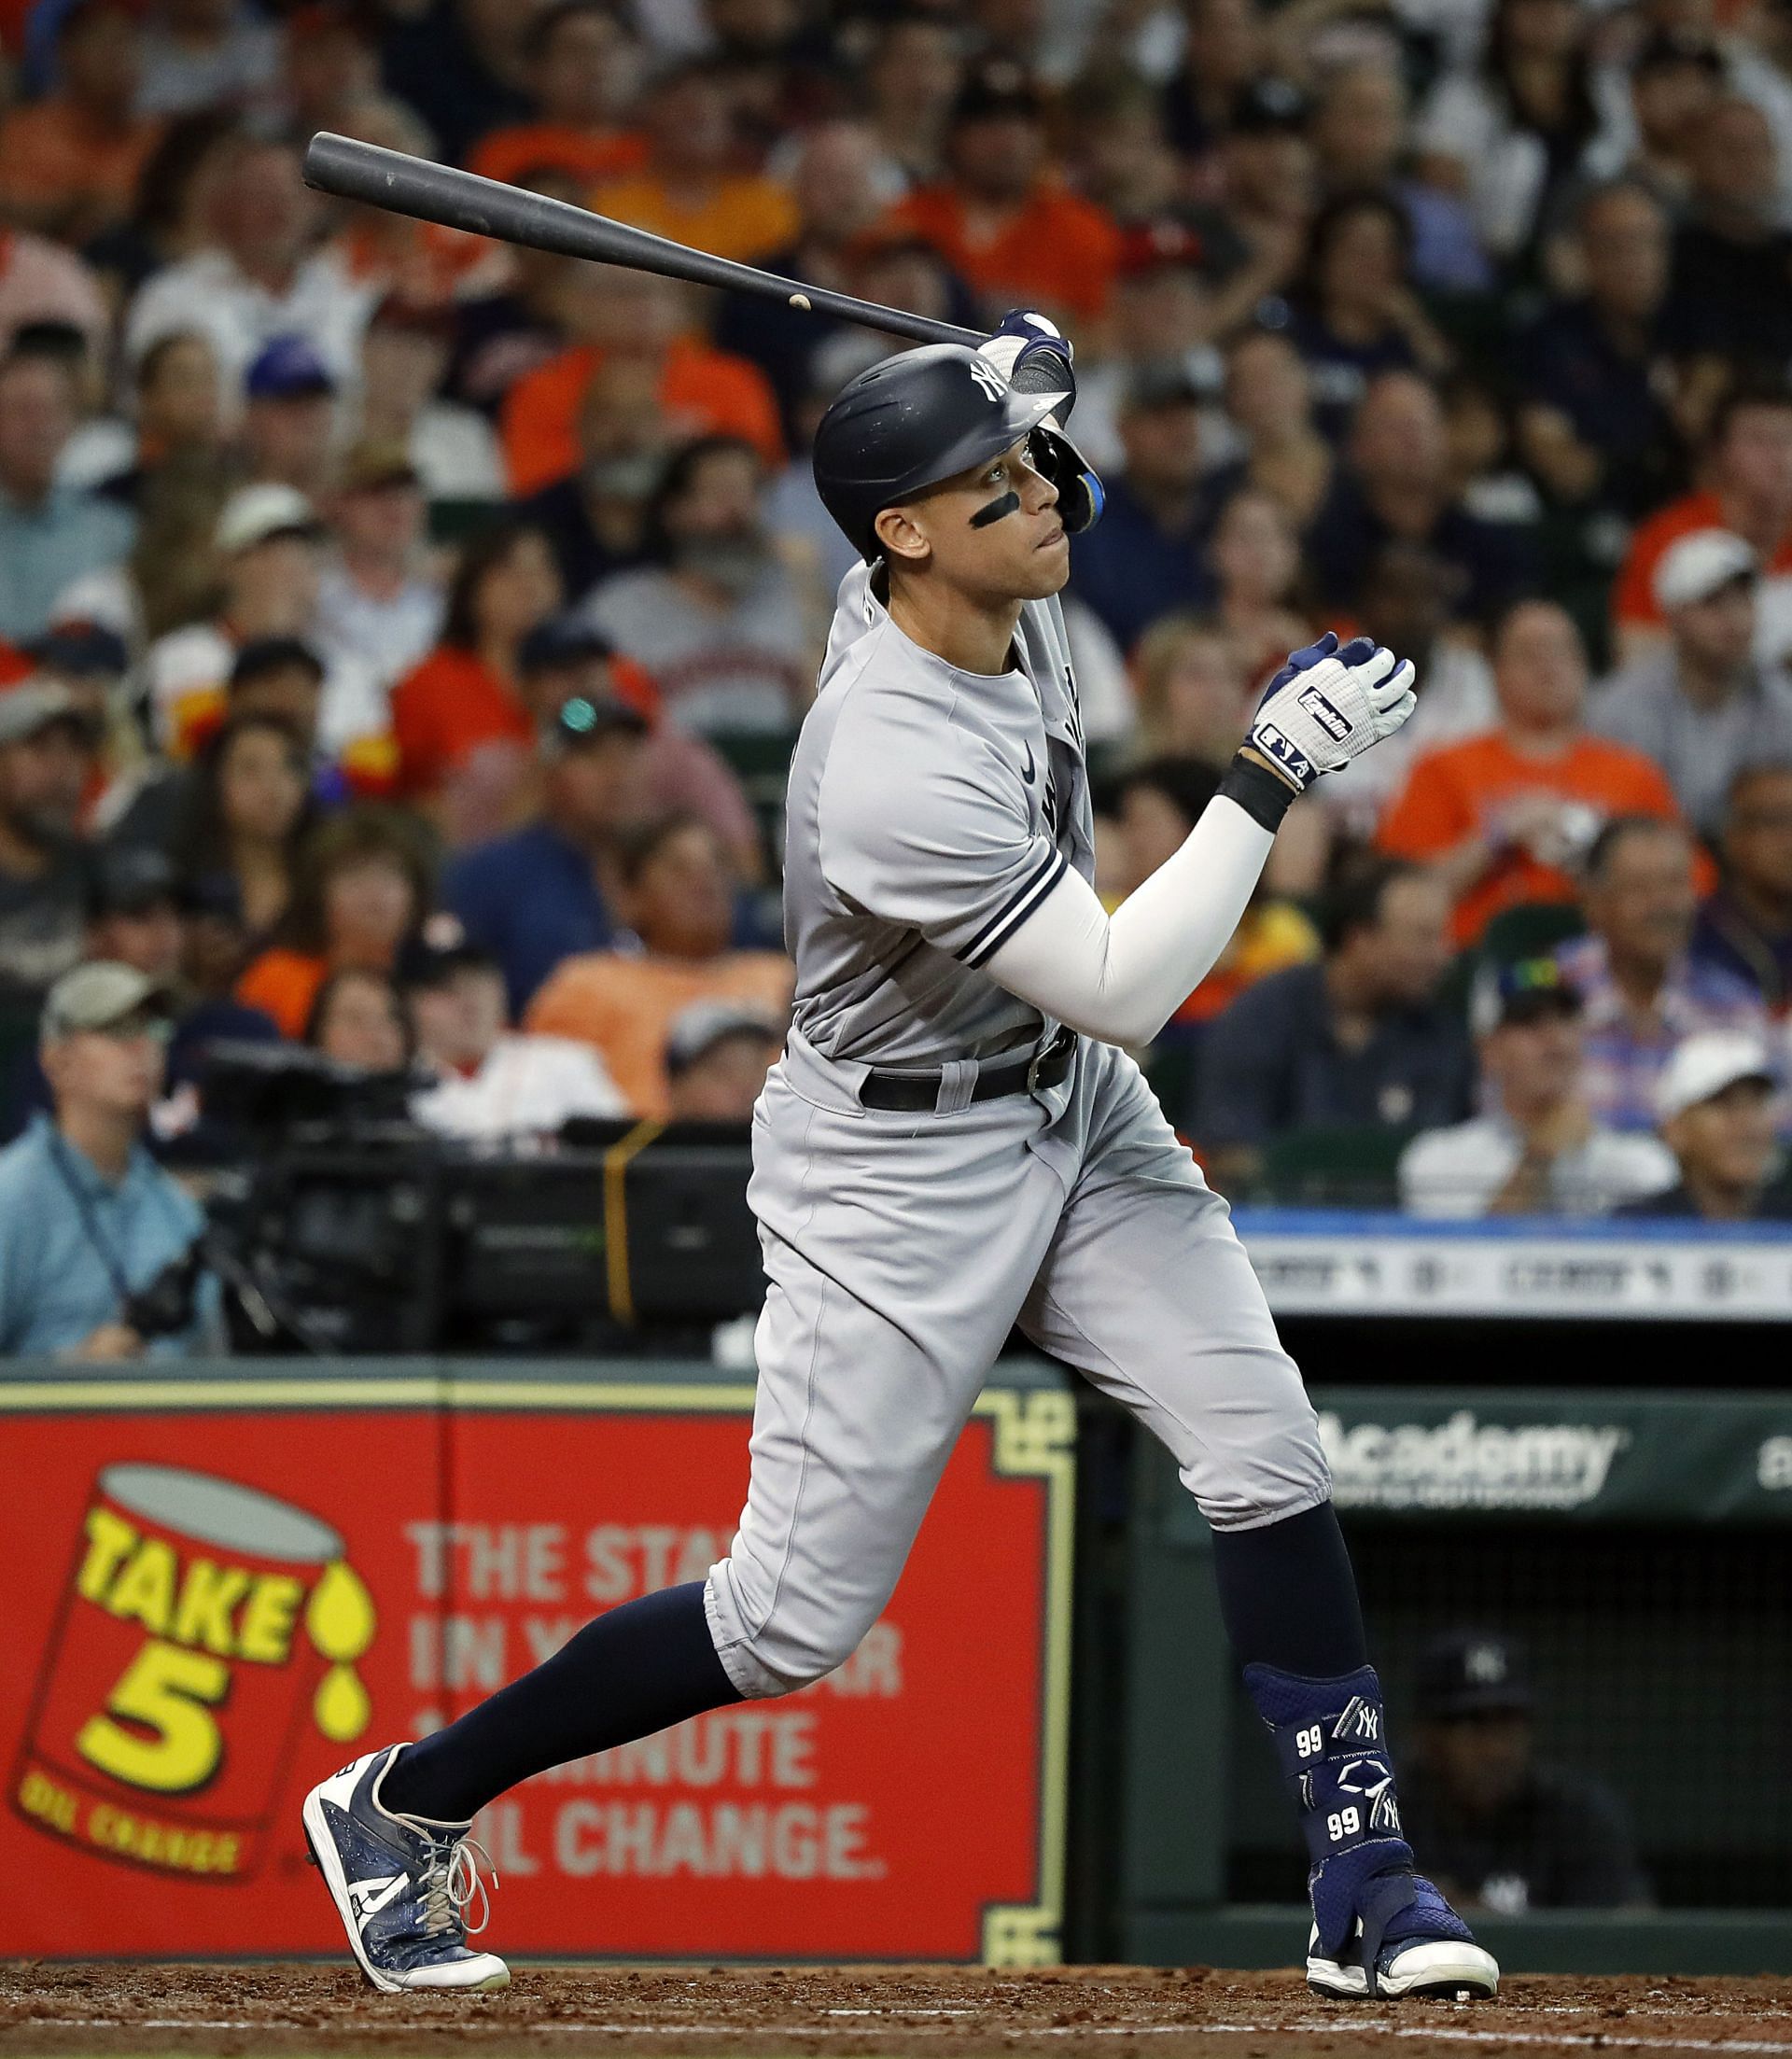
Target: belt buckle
column 1047, row 1050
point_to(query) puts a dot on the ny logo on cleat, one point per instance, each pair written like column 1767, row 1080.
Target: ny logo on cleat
column 1360, row 1724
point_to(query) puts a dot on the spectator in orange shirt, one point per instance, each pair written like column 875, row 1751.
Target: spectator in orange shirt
column 69, row 163
column 363, row 887
column 1508, row 817
column 617, row 314
column 585, row 64
column 1748, row 470
column 675, row 893
column 1002, row 218
column 690, row 187
column 464, row 736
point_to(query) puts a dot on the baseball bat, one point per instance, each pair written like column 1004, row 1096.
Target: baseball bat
column 413, row 186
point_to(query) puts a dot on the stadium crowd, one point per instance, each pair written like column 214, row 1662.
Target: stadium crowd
column 401, row 637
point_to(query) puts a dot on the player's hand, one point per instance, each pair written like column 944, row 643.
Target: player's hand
column 1327, row 706
column 1034, row 356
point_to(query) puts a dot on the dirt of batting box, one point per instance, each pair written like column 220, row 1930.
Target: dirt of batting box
column 119, row 2011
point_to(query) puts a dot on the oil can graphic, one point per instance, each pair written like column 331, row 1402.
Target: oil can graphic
column 205, row 1627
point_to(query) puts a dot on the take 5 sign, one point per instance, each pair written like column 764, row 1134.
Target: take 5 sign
column 223, row 1586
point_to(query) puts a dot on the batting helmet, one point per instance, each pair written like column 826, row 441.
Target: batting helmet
column 924, row 416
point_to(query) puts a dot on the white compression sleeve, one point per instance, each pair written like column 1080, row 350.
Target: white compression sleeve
column 1121, row 977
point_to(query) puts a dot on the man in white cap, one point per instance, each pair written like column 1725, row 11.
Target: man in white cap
column 1716, row 1099
column 717, row 1056
column 1700, row 704
column 88, row 1220
column 269, row 542
column 47, row 745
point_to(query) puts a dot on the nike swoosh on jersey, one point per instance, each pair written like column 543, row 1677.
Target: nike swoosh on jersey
column 1026, row 770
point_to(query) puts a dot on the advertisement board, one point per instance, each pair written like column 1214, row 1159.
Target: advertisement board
column 222, row 1587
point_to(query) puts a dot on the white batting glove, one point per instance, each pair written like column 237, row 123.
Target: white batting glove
column 1034, row 356
column 1327, row 706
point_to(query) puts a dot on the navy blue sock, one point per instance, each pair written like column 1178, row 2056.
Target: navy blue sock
column 635, row 1670
column 1288, row 1596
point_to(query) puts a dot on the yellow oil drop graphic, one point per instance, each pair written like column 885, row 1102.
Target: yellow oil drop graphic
column 340, row 1622
column 341, row 1705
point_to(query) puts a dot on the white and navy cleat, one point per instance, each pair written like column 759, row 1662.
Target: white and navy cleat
column 402, row 1884
column 1436, row 1953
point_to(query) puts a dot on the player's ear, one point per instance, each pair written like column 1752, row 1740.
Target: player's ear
column 901, row 536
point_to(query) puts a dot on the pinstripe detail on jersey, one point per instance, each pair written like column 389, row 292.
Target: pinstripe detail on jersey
column 988, row 939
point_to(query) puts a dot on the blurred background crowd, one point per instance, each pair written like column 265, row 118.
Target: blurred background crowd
column 402, row 636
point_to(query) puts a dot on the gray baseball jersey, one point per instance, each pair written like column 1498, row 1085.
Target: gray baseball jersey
column 930, row 811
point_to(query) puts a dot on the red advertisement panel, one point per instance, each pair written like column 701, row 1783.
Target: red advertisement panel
column 219, row 1595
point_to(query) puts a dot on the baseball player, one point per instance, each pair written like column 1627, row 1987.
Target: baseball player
column 954, row 1142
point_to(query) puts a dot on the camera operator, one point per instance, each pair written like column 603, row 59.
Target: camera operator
column 97, row 1244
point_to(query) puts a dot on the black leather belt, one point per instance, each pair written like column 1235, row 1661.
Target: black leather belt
column 918, row 1093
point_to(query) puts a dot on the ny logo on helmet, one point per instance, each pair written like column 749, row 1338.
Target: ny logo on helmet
column 988, row 378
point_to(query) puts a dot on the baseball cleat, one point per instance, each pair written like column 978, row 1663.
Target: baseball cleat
column 402, row 1884
column 1434, row 1955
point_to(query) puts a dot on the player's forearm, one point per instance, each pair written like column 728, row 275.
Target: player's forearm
column 1121, row 977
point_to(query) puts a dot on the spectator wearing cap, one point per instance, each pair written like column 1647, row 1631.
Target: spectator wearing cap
column 404, row 360
column 1717, row 1103
column 256, row 277
column 1358, row 132
column 1145, row 557
column 595, row 517
column 1744, row 927
column 1539, row 1149
column 1253, row 240
column 1161, row 310
column 726, row 633
column 1499, row 1831
column 87, row 1217
column 288, row 417
column 363, row 889
column 675, row 893
column 50, row 534
column 1356, row 314
column 1747, row 491
column 464, row 733
column 1732, row 259
column 269, row 547
column 1000, row 218
column 1357, row 1041
column 46, row 753
column 1508, row 817
column 491, row 1083
column 1397, row 482
column 717, row 1056
column 584, row 63
column 1642, row 989
column 139, row 917
column 91, row 661
column 376, row 601
column 1593, row 369
column 1509, row 134
column 1700, row 704
column 542, row 893
column 566, row 660
column 690, row 187
column 69, row 163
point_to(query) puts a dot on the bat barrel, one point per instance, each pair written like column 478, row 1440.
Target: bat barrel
column 414, row 185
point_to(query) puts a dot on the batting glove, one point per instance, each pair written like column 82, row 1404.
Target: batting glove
column 1326, row 707
column 1034, row 356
